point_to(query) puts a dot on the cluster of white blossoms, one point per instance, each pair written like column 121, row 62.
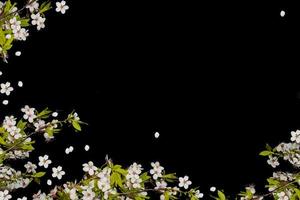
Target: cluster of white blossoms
column 16, row 21
column 113, row 182
column 287, row 151
column 16, row 143
column 133, row 176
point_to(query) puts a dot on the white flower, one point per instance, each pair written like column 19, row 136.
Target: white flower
column 30, row 167
column 133, row 178
column 273, row 161
column 295, row 136
column 76, row 116
column 20, row 34
column 39, row 196
column 156, row 134
column 33, row 6
column 15, row 24
column 4, row 195
column 6, row 88
column 283, row 195
column 58, row 172
column 184, row 182
column 157, row 170
column 40, row 126
column 89, row 167
column 61, row 7
column 282, row 13
column 44, row 161
column 88, row 194
column 161, row 185
column 73, row 195
column 212, row 189
column 104, row 184
column 38, row 20
column 29, row 113
column 9, row 123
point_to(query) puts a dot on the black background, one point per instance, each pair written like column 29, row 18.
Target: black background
column 218, row 80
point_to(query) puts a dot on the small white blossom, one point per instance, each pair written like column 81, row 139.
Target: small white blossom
column 156, row 134
column 88, row 194
column 295, row 136
column 57, row 172
column 212, row 189
column 157, row 170
column 30, row 167
column 20, row 34
column 6, row 88
column 4, row 195
column 29, row 113
column 40, row 125
column 61, row 7
column 38, row 20
column 89, row 167
column 33, row 6
column 273, row 161
column 184, row 182
column 44, row 161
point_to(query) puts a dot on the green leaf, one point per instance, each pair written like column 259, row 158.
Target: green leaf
column 265, row 153
column 27, row 147
column 2, row 38
column 50, row 131
column 45, row 7
column 116, row 179
column 45, row 113
column 145, row 177
column 221, row 195
column 268, row 147
column 21, row 124
column 297, row 192
column 272, row 181
column 167, row 195
column 76, row 125
column 121, row 171
column 25, row 22
column 2, row 141
column 38, row 174
column 8, row 6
